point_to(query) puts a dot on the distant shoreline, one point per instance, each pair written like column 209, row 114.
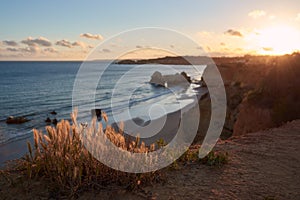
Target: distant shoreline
column 164, row 60
column 191, row 60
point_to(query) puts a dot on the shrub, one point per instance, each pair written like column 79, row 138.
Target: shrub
column 191, row 155
column 60, row 157
column 161, row 143
column 215, row 158
column 212, row 159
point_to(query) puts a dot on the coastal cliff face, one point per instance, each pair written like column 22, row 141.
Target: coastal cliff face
column 262, row 93
column 234, row 95
column 205, row 114
column 251, row 119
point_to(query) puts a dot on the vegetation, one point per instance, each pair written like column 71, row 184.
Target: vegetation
column 161, row 143
column 215, row 158
column 60, row 157
column 273, row 82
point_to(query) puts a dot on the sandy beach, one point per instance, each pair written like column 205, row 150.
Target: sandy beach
column 168, row 125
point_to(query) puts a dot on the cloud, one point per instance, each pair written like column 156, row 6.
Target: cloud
column 233, row 33
column 267, row 48
column 50, row 50
column 41, row 41
column 68, row 44
column 222, row 44
column 255, row 14
column 79, row 44
column 12, row 49
column 30, row 50
column 10, row 43
column 64, row 43
column 91, row 36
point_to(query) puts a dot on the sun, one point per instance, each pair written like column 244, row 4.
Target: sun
column 279, row 40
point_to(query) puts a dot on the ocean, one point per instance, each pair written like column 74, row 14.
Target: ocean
column 35, row 89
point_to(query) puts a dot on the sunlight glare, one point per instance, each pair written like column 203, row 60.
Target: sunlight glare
column 279, row 40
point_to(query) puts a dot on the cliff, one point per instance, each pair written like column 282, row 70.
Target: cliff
column 261, row 93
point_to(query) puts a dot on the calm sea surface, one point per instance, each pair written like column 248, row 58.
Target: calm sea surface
column 34, row 89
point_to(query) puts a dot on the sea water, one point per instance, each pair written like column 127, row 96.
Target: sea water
column 35, row 89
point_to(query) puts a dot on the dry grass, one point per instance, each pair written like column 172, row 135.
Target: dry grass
column 60, row 157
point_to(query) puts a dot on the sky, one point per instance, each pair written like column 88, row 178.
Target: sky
column 71, row 30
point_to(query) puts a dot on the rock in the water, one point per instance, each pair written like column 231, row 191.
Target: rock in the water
column 170, row 80
column 186, row 77
column 53, row 112
column 202, row 82
column 97, row 113
column 48, row 120
column 157, row 79
column 16, row 120
column 54, row 121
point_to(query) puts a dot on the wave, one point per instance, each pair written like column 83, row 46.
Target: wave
column 38, row 91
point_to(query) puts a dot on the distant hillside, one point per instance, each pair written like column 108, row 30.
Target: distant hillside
column 198, row 60
column 168, row 60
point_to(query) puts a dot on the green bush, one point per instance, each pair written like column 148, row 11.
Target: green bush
column 215, row 159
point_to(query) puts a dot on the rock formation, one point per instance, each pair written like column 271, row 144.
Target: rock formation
column 48, row 120
column 53, row 112
column 158, row 79
column 16, row 120
column 97, row 113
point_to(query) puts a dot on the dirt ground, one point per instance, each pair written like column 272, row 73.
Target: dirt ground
column 262, row 165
